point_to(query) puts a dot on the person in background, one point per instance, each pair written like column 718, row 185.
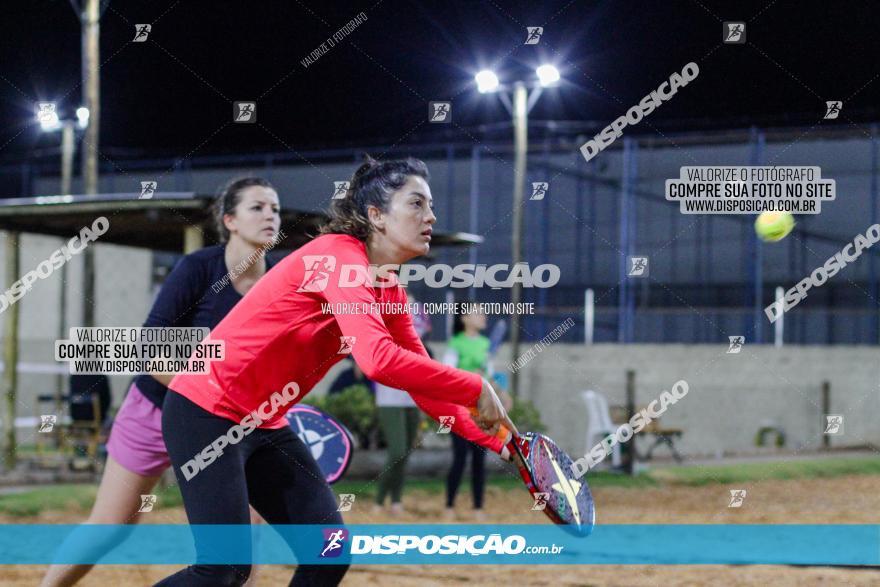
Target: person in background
column 352, row 375
column 399, row 419
column 249, row 221
column 469, row 350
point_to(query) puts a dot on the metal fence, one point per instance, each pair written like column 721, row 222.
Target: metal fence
column 709, row 278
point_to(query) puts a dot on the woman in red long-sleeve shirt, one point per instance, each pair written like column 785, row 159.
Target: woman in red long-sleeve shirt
column 280, row 340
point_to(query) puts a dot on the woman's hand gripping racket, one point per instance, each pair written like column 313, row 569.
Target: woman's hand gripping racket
column 545, row 469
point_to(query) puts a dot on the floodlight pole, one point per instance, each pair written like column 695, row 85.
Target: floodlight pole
column 90, row 22
column 520, row 149
column 10, row 355
column 519, row 109
column 68, row 146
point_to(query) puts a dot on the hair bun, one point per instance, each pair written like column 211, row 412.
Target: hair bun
column 366, row 167
column 372, row 184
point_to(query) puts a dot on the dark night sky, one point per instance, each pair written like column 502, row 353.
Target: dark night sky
column 172, row 95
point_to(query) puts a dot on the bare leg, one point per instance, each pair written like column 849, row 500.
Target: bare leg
column 118, row 501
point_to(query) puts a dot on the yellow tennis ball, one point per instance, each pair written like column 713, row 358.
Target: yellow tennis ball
column 773, row 226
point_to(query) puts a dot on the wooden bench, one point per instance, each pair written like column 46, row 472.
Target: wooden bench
column 662, row 434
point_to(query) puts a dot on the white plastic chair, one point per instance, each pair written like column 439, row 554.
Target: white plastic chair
column 599, row 424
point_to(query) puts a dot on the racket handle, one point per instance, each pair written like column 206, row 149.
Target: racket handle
column 503, row 433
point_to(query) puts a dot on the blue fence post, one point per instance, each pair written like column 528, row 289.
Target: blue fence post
column 632, row 179
column 699, row 330
column 709, row 277
column 591, row 247
column 874, row 331
column 579, row 227
column 623, row 239
column 758, row 158
column 450, row 186
column 545, row 237
column 592, row 227
column 474, row 213
column 578, row 232
column 624, row 316
column 755, row 257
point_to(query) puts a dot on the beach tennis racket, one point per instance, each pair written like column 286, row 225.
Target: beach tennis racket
column 328, row 439
column 546, row 471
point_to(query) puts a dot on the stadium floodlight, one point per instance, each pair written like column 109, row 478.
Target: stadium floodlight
column 547, row 75
column 518, row 97
column 487, row 81
column 49, row 122
column 82, row 116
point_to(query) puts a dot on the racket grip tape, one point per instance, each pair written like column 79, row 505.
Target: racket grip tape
column 503, row 433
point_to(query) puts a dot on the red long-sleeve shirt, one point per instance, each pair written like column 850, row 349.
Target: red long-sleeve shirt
column 279, row 333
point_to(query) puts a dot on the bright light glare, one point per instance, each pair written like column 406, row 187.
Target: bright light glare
column 487, row 81
column 82, row 115
column 547, row 75
column 49, row 122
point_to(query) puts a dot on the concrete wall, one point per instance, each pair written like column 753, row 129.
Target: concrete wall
column 730, row 395
column 123, row 292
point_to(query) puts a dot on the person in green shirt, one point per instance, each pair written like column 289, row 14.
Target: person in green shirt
column 399, row 419
column 469, row 350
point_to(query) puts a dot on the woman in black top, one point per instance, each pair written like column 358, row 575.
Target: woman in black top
column 203, row 287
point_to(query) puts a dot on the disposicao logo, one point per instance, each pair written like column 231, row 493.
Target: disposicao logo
column 334, row 538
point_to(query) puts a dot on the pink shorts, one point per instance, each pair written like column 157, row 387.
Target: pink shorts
column 136, row 437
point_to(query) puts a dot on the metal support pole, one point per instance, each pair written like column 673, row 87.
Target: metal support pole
column 778, row 326
column 632, row 232
column 67, row 149
column 10, row 355
column 623, row 278
column 545, row 231
column 873, row 287
column 449, row 298
column 546, row 223
column 591, row 237
column 450, row 186
column 520, row 147
column 90, row 23
column 629, row 449
column 758, row 266
column 826, row 409
column 589, row 315
column 579, row 228
column 625, row 246
column 474, row 212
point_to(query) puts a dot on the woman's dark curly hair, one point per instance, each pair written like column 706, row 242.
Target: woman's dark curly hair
column 371, row 185
column 228, row 198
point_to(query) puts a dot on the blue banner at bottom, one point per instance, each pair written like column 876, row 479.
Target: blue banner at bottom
column 440, row 544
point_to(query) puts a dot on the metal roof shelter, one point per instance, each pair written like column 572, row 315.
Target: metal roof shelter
column 169, row 221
